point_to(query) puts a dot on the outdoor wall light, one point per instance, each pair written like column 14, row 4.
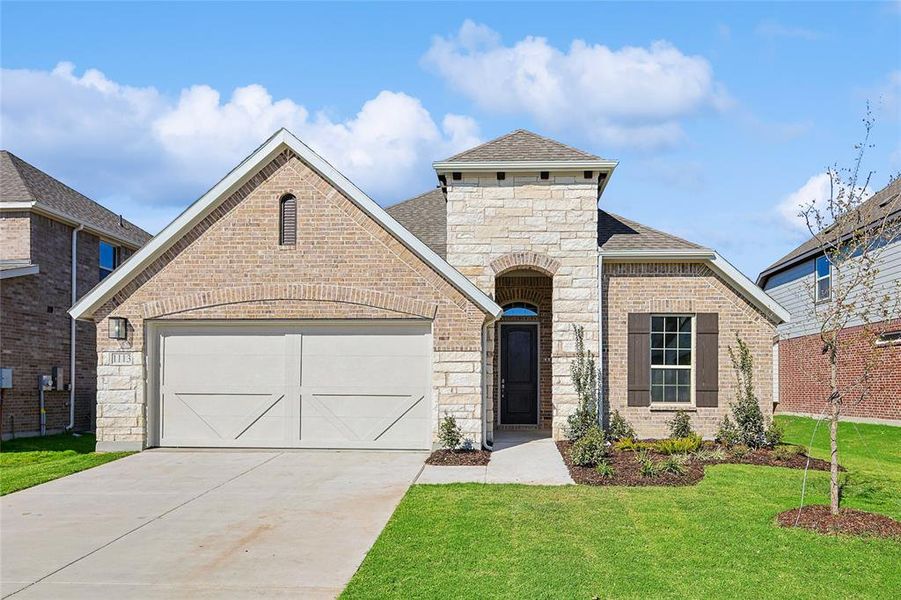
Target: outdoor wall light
column 118, row 328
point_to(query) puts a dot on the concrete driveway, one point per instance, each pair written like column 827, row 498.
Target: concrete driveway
column 202, row 524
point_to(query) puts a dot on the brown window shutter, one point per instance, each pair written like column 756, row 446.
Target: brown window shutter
column 639, row 360
column 708, row 362
column 287, row 235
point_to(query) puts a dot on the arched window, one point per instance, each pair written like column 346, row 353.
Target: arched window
column 287, row 220
column 520, row 309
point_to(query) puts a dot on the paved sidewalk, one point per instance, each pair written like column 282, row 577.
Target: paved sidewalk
column 528, row 457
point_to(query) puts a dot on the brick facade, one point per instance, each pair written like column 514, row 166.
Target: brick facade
column 525, row 222
column 35, row 324
column 804, row 375
column 344, row 266
column 680, row 288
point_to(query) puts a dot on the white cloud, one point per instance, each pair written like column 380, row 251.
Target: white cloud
column 148, row 154
column 816, row 190
column 633, row 96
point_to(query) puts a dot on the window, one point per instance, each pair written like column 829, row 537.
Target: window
column 889, row 338
column 109, row 258
column 520, row 309
column 671, row 358
column 287, row 220
column 823, row 279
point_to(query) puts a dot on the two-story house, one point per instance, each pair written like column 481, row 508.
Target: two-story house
column 285, row 308
column 802, row 281
column 55, row 245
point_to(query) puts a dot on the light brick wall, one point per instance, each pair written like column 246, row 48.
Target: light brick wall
column 680, row 288
column 554, row 218
column 344, row 266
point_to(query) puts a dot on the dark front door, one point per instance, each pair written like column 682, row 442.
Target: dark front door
column 519, row 374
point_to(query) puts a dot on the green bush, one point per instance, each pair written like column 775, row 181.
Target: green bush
column 619, row 428
column 626, row 445
column 787, row 452
column 580, row 423
column 727, row 434
column 605, row 469
column 680, row 425
column 591, row 449
column 773, row 434
column 739, row 450
column 673, row 465
column 677, row 445
column 449, row 433
column 583, row 373
column 746, row 409
column 647, row 466
column 710, row 454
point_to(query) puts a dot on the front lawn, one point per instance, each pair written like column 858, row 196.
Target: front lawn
column 25, row 462
column 716, row 539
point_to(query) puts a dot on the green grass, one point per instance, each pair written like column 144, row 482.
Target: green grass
column 713, row 540
column 26, row 462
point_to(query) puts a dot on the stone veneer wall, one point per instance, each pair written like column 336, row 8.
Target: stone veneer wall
column 556, row 218
column 680, row 288
column 344, row 266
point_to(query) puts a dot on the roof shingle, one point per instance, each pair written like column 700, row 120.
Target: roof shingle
column 425, row 216
column 521, row 145
column 619, row 233
column 22, row 182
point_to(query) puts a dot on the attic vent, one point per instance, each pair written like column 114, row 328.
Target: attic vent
column 287, row 220
column 501, row 175
column 457, row 175
column 545, row 175
column 588, row 174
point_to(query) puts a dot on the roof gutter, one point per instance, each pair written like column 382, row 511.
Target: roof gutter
column 51, row 213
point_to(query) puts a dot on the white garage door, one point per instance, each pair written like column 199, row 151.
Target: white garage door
column 303, row 385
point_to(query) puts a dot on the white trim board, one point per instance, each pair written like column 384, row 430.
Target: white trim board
column 19, row 271
column 717, row 263
column 281, row 140
column 55, row 215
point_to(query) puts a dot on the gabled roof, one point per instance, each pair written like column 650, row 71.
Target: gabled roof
column 25, row 186
column 521, row 145
column 618, row 233
column 885, row 202
column 281, row 140
column 425, row 216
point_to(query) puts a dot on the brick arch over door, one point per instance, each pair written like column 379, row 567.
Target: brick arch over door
column 320, row 292
column 525, row 260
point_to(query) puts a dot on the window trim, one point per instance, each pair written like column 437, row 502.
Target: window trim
column 894, row 338
column 817, row 278
column 531, row 306
column 692, row 386
column 104, row 271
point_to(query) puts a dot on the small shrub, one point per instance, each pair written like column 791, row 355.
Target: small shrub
column 673, row 465
column 746, row 409
column 620, row 428
column 647, row 466
column 678, row 445
column 626, row 445
column 605, row 469
column 584, row 375
column 680, row 425
column 449, row 433
column 727, row 434
column 590, row 449
column 580, row 423
column 786, row 452
column 710, row 454
column 774, row 433
column 739, row 450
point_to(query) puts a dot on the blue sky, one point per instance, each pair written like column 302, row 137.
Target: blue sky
column 723, row 116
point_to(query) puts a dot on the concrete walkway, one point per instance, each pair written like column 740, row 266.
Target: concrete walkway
column 528, row 457
column 202, row 524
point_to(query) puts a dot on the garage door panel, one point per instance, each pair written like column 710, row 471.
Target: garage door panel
column 323, row 385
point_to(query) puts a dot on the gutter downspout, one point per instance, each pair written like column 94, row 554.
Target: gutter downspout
column 74, row 286
column 485, row 443
column 600, row 365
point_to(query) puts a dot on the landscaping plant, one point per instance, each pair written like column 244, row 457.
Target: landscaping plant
column 674, row 465
column 619, row 428
column 680, row 425
column 786, row 452
column 449, row 433
column 647, row 466
column 583, row 372
column 605, row 469
column 710, row 454
column 749, row 423
column 727, row 434
column 590, row 449
column 681, row 445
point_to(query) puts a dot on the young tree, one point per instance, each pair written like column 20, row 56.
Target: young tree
column 852, row 234
column 583, row 372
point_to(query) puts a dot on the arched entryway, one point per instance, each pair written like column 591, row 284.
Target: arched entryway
column 522, row 352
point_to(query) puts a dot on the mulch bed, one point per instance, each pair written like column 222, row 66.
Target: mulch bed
column 848, row 521
column 626, row 467
column 459, row 458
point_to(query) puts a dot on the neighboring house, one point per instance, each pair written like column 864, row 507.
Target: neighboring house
column 55, row 245
column 802, row 280
column 285, row 308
